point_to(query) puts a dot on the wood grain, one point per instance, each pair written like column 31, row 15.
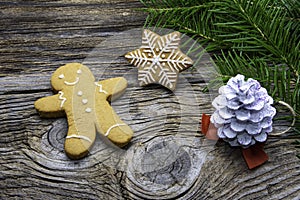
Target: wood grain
column 168, row 158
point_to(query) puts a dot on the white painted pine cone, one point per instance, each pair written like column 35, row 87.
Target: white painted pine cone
column 243, row 113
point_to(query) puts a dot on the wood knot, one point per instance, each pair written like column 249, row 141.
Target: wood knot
column 56, row 135
column 162, row 167
column 164, row 163
column 53, row 140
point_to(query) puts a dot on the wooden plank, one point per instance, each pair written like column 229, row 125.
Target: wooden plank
column 167, row 158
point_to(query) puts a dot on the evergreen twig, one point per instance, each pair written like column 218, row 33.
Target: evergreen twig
column 257, row 38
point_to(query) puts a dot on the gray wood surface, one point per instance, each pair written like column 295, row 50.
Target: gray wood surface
column 168, row 158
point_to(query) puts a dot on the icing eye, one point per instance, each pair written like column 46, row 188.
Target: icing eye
column 79, row 71
column 61, row 76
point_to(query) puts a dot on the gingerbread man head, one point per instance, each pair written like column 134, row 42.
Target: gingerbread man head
column 70, row 75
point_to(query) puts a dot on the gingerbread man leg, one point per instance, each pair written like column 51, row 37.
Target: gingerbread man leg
column 108, row 122
column 81, row 132
column 80, row 138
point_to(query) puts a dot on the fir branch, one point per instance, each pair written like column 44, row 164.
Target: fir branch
column 256, row 38
column 252, row 28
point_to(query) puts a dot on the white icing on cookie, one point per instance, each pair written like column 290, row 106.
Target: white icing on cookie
column 72, row 83
column 79, row 137
column 100, row 88
column 88, row 110
column 84, row 101
column 62, row 98
column 79, row 71
column 113, row 126
column 79, row 93
column 61, row 76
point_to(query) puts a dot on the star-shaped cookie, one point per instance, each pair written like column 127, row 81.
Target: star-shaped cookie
column 159, row 59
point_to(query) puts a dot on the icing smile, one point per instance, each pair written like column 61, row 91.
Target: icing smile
column 72, row 83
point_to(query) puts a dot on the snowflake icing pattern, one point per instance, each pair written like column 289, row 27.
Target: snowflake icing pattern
column 159, row 59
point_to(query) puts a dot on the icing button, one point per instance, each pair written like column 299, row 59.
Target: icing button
column 79, row 93
column 88, row 110
column 84, row 101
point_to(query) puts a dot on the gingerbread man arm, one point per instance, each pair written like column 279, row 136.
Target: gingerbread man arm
column 51, row 106
column 113, row 87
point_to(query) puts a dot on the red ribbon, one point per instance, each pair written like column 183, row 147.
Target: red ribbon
column 253, row 155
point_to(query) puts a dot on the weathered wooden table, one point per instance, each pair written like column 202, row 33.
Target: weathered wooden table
column 168, row 158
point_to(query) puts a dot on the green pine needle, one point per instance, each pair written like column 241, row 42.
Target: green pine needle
column 257, row 38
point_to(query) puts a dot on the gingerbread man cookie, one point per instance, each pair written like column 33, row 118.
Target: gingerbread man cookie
column 86, row 105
